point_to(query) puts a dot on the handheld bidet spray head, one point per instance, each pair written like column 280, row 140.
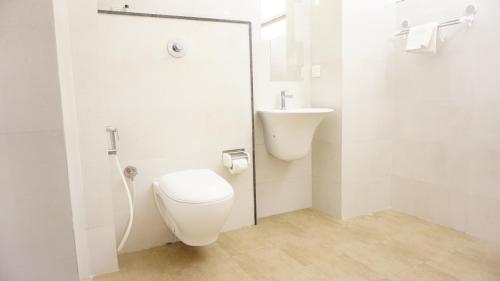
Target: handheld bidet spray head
column 113, row 140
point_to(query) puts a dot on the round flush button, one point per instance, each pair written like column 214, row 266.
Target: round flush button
column 176, row 49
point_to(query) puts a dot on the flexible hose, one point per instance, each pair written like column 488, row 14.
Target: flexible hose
column 131, row 202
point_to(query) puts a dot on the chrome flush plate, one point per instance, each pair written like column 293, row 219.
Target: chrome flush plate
column 176, row 49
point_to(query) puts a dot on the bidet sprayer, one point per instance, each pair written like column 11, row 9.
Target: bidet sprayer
column 113, row 139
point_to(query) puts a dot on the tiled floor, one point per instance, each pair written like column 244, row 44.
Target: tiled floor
column 308, row 245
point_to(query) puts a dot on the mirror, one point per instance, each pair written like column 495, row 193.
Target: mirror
column 283, row 25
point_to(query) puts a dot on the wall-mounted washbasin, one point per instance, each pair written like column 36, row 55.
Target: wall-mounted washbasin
column 288, row 133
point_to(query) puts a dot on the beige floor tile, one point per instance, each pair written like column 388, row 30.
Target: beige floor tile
column 278, row 230
column 310, row 220
column 178, row 256
column 385, row 259
column 185, row 263
column 300, row 274
column 310, row 251
column 347, row 268
column 428, row 241
column 144, row 264
column 486, row 253
column 310, row 246
column 245, row 239
column 187, row 273
column 266, row 262
column 466, row 268
column 373, row 225
column 424, row 248
column 423, row 272
column 225, row 270
column 343, row 269
column 347, row 237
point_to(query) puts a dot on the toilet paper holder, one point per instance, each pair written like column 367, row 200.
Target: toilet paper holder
column 228, row 156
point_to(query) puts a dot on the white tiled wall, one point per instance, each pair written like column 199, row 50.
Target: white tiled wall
column 149, row 155
column 70, row 123
column 281, row 186
column 366, row 108
column 419, row 133
column 82, row 19
column 37, row 239
column 326, row 91
column 274, row 177
column 172, row 114
column 446, row 137
column 352, row 148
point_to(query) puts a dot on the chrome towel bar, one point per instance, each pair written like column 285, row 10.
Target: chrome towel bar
column 468, row 18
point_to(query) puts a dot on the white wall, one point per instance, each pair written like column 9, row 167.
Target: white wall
column 275, row 178
column 37, row 239
column 352, row 147
column 99, row 225
column 70, row 123
column 366, row 107
column 447, row 134
column 326, row 91
column 293, row 179
column 281, row 186
column 172, row 114
column 420, row 133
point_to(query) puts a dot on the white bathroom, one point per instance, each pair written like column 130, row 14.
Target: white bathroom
column 250, row 140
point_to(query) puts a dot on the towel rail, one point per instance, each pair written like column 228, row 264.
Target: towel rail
column 468, row 19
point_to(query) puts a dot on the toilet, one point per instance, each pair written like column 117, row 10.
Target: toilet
column 194, row 204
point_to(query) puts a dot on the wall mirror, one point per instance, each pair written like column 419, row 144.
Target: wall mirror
column 283, row 26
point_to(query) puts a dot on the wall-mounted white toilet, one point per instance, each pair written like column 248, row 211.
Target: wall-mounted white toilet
column 194, row 204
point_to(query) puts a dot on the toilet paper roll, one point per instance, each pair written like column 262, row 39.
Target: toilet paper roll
column 239, row 165
column 227, row 160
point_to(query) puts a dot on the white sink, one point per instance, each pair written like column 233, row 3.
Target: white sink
column 288, row 133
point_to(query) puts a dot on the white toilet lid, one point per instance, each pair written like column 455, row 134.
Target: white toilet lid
column 195, row 186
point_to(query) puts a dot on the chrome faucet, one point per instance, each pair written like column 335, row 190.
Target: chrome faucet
column 284, row 96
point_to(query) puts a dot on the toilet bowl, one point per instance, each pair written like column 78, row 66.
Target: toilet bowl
column 194, row 204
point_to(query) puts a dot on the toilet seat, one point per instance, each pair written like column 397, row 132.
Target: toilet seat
column 195, row 187
column 194, row 204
